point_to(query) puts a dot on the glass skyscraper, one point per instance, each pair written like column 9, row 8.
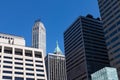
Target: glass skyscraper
column 85, row 48
column 110, row 14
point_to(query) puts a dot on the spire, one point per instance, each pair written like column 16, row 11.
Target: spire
column 57, row 49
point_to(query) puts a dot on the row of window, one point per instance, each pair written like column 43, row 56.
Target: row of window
column 20, row 63
column 17, row 51
column 19, row 78
column 21, row 59
column 21, row 73
column 21, row 68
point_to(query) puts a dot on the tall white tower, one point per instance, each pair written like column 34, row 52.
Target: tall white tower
column 39, row 36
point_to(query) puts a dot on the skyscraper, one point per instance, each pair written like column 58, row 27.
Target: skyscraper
column 18, row 62
column 110, row 14
column 85, row 48
column 56, row 65
column 39, row 36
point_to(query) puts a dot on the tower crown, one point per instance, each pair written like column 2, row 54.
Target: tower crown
column 57, row 49
column 39, row 24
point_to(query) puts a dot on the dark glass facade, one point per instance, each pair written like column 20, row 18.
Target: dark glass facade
column 85, row 48
column 110, row 14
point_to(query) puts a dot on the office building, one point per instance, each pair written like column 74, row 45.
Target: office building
column 18, row 62
column 56, row 65
column 39, row 36
column 110, row 14
column 107, row 73
column 85, row 48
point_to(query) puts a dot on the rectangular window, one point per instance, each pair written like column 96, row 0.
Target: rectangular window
column 40, row 70
column 18, row 63
column 28, row 53
column 21, row 73
column 19, row 78
column 42, row 75
column 10, row 67
column 39, row 65
column 7, row 77
column 10, row 62
column 19, row 59
column 29, row 69
column 8, row 50
column 29, row 60
column 39, row 61
column 7, row 57
column 20, row 68
column 27, row 64
column 30, row 74
column 8, row 72
column 38, row 54
column 18, row 51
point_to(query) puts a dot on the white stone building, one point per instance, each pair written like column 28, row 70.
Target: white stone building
column 18, row 62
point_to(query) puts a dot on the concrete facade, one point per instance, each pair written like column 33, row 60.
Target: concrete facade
column 21, row 63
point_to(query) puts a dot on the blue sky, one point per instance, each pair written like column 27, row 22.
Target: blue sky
column 18, row 16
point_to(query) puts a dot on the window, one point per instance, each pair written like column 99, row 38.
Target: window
column 28, row 53
column 29, row 69
column 39, row 61
column 18, row 63
column 39, row 70
column 18, row 51
column 39, row 65
column 38, row 54
column 30, row 74
column 29, row 64
column 19, row 78
column 10, row 67
column 7, row 77
column 20, row 68
column 29, row 60
column 8, row 50
column 19, row 73
column 42, row 75
column 9, row 72
column 7, row 57
column 19, row 59
column 10, row 62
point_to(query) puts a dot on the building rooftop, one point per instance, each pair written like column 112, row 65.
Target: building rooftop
column 1, row 33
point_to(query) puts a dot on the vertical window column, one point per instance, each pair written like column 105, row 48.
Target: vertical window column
column 34, row 65
column 13, row 52
column 24, row 68
column 1, row 63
